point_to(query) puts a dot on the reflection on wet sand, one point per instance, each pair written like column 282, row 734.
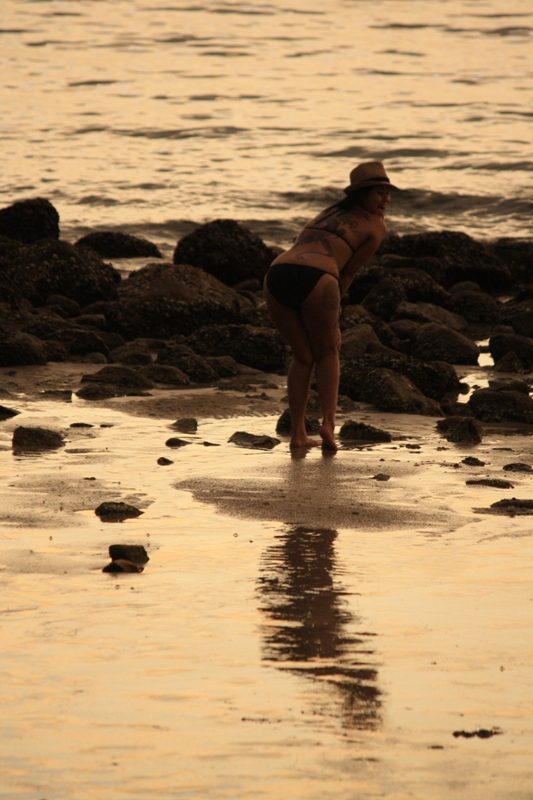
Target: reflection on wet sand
column 309, row 625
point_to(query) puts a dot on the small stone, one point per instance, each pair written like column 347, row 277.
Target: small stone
column 122, row 565
column 381, row 476
column 128, row 552
column 518, row 467
column 496, row 483
column 164, row 462
column 7, row 413
column 175, row 442
column 253, row 441
column 472, row 461
column 362, row 432
column 116, row 511
column 186, row 425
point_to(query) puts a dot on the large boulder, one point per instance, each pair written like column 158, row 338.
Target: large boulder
column 261, row 348
column 30, row 220
column 474, row 306
column 51, row 267
column 390, row 391
column 114, row 244
column 225, row 249
column 437, row 380
column 503, row 343
column 162, row 300
column 434, row 342
column 428, row 312
column 21, row 349
column 499, row 405
column 185, row 359
column 356, row 339
column 463, row 258
column 384, row 298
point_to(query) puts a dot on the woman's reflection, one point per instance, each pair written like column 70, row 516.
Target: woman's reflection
column 309, row 632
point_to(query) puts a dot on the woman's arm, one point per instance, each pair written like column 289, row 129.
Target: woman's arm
column 361, row 255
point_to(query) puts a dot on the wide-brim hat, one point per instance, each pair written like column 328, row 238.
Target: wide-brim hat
column 371, row 173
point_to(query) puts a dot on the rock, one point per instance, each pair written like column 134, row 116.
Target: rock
column 381, row 476
column 496, row 483
column 405, row 329
column 96, row 391
column 7, row 413
column 35, row 439
column 356, row 340
column 186, row 425
column 518, row 466
column 175, row 442
column 434, row 342
column 354, row 315
column 131, row 552
column 113, row 244
column 97, row 321
column 166, row 374
column 522, row 323
column 124, row 377
column 260, row 348
column 419, row 286
column 122, row 565
column 21, row 349
column 465, row 431
column 134, row 353
column 428, row 264
column 30, row 220
column 516, row 385
column 503, row 343
column 284, row 424
column 51, row 267
column 390, row 391
column 192, row 364
column 224, row 366
column 164, row 462
column 428, row 312
column 509, row 363
column 490, row 405
column 162, row 300
column 436, row 379
column 474, row 306
column 472, row 461
column 116, row 511
column 464, row 286
column 362, row 432
column 384, row 298
column 225, row 249
column 462, row 258
column 513, row 506
column 253, row 441
column 70, row 307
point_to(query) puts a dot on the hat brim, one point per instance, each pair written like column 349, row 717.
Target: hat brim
column 369, row 184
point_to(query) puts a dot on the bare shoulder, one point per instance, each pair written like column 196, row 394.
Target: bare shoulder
column 368, row 224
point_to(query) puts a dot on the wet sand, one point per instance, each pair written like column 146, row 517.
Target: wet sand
column 302, row 629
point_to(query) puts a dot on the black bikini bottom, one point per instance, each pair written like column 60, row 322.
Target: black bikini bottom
column 291, row 284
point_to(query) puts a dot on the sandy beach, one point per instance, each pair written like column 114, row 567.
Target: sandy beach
column 303, row 626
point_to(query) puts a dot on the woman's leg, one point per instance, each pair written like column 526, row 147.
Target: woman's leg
column 290, row 326
column 320, row 317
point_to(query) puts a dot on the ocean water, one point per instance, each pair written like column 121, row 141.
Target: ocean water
column 149, row 117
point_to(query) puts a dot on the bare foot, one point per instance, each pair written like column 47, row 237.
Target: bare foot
column 303, row 441
column 328, row 439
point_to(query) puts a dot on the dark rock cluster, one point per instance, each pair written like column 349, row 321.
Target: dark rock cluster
column 420, row 308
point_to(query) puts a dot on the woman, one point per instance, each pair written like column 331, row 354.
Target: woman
column 304, row 286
